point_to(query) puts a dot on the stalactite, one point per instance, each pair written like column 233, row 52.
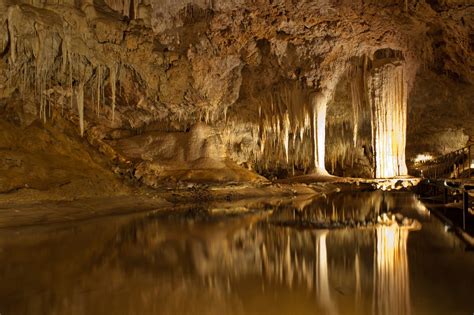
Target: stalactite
column 80, row 106
column 12, row 37
column 99, row 89
column 113, row 86
column 70, row 77
column 356, row 76
column 44, row 66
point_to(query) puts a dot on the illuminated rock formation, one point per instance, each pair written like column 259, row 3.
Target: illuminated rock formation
column 268, row 77
column 387, row 88
column 379, row 93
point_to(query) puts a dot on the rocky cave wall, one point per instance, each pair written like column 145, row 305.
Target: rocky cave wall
column 257, row 72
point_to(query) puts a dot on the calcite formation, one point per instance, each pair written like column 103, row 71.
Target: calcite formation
column 388, row 98
column 179, row 89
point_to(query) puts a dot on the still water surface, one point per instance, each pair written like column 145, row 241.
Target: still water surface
column 301, row 256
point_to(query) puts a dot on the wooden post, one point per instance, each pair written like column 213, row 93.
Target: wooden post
column 465, row 208
column 470, row 161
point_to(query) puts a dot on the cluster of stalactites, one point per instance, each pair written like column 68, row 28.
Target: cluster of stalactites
column 340, row 152
column 133, row 9
column 129, row 8
column 59, row 83
column 349, row 137
column 358, row 86
column 291, row 129
column 387, row 88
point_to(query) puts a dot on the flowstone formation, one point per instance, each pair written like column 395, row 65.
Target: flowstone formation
column 379, row 87
column 388, row 98
column 197, row 90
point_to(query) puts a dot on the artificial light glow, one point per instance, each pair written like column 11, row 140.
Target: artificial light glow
column 421, row 158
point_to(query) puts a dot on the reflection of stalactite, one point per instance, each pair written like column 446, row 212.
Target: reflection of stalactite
column 391, row 282
column 318, row 261
column 342, row 208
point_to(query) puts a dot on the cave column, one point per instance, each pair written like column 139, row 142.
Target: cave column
column 318, row 131
column 388, row 102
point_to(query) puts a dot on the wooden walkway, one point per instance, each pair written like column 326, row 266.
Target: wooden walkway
column 457, row 164
column 448, row 184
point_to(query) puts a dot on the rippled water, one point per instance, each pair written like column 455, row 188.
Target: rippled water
column 300, row 256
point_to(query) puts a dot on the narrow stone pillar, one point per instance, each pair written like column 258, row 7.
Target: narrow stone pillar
column 318, row 131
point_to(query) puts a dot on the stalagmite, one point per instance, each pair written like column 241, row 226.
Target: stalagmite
column 80, row 106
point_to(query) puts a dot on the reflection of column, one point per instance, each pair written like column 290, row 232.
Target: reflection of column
column 357, row 280
column 391, row 282
column 321, row 271
column 288, row 262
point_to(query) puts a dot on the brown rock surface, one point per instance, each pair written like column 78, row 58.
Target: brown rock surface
column 249, row 69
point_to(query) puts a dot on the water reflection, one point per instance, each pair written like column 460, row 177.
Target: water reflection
column 197, row 262
column 322, row 274
column 391, row 281
column 345, row 209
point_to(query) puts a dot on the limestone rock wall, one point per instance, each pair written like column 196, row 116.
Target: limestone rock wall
column 249, row 69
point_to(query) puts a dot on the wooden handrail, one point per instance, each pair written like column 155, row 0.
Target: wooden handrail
column 450, row 163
